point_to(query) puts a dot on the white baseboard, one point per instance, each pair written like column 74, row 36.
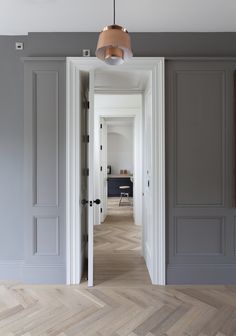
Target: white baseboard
column 148, row 259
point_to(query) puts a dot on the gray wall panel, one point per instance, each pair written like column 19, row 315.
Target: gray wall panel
column 46, row 137
column 192, row 236
column 44, row 129
column 199, row 139
column 46, row 236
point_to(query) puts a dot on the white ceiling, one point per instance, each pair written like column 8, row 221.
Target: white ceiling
column 22, row 16
column 110, row 80
column 118, row 121
column 117, row 101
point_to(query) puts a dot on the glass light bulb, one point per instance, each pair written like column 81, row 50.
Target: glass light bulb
column 113, row 60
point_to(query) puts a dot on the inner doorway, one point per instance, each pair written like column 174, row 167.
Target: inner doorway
column 118, row 141
column 118, row 172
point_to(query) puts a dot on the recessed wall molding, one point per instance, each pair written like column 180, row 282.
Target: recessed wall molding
column 45, row 138
column 191, row 236
column 198, row 96
column 46, row 236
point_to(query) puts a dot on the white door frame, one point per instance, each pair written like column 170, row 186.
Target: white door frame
column 156, row 66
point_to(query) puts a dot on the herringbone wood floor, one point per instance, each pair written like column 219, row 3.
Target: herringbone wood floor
column 117, row 249
column 124, row 303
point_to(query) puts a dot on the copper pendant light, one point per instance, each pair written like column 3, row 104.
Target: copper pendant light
column 114, row 45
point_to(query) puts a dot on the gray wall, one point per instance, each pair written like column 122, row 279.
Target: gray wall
column 201, row 214
column 11, row 151
column 45, row 163
column 11, row 109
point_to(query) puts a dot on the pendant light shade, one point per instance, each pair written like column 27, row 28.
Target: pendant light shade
column 114, row 45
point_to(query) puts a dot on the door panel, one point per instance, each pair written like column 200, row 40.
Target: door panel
column 91, row 178
column 201, row 219
column 83, row 182
column 148, row 248
column 199, row 138
column 105, row 190
column 44, row 143
column 103, row 172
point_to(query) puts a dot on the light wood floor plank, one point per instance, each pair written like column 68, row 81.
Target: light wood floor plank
column 123, row 302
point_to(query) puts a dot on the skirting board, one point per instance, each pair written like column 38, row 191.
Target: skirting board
column 147, row 257
column 17, row 270
column 201, row 274
column 11, row 270
column 44, row 274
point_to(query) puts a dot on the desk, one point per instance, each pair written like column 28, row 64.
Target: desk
column 115, row 181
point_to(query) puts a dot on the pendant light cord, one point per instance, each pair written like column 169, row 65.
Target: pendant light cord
column 114, row 9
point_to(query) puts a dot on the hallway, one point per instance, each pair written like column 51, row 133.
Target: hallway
column 117, row 249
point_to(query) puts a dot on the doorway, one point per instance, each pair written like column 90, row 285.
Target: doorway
column 118, row 116
column 116, row 162
column 154, row 246
column 118, row 171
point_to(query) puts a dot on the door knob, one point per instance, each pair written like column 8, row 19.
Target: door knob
column 84, row 201
column 97, row 201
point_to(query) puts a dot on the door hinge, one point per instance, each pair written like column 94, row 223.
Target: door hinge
column 86, row 104
column 100, row 125
column 101, row 210
column 86, row 138
column 86, row 172
column 101, row 168
column 101, row 147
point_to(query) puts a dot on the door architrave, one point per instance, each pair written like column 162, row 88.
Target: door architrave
column 156, row 66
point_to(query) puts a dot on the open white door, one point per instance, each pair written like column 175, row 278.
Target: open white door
column 103, row 170
column 77, row 175
column 147, row 183
column 80, row 176
column 92, row 202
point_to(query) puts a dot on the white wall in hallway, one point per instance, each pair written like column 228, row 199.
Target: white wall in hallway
column 120, row 148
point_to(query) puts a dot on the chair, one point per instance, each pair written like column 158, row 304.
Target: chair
column 124, row 193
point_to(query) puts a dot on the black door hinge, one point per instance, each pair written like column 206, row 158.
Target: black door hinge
column 86, row 172
column 86, row 138
column 101, row 210
column 100, row 125
column 101, row 147
column 86, row 104
column 101, row 168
